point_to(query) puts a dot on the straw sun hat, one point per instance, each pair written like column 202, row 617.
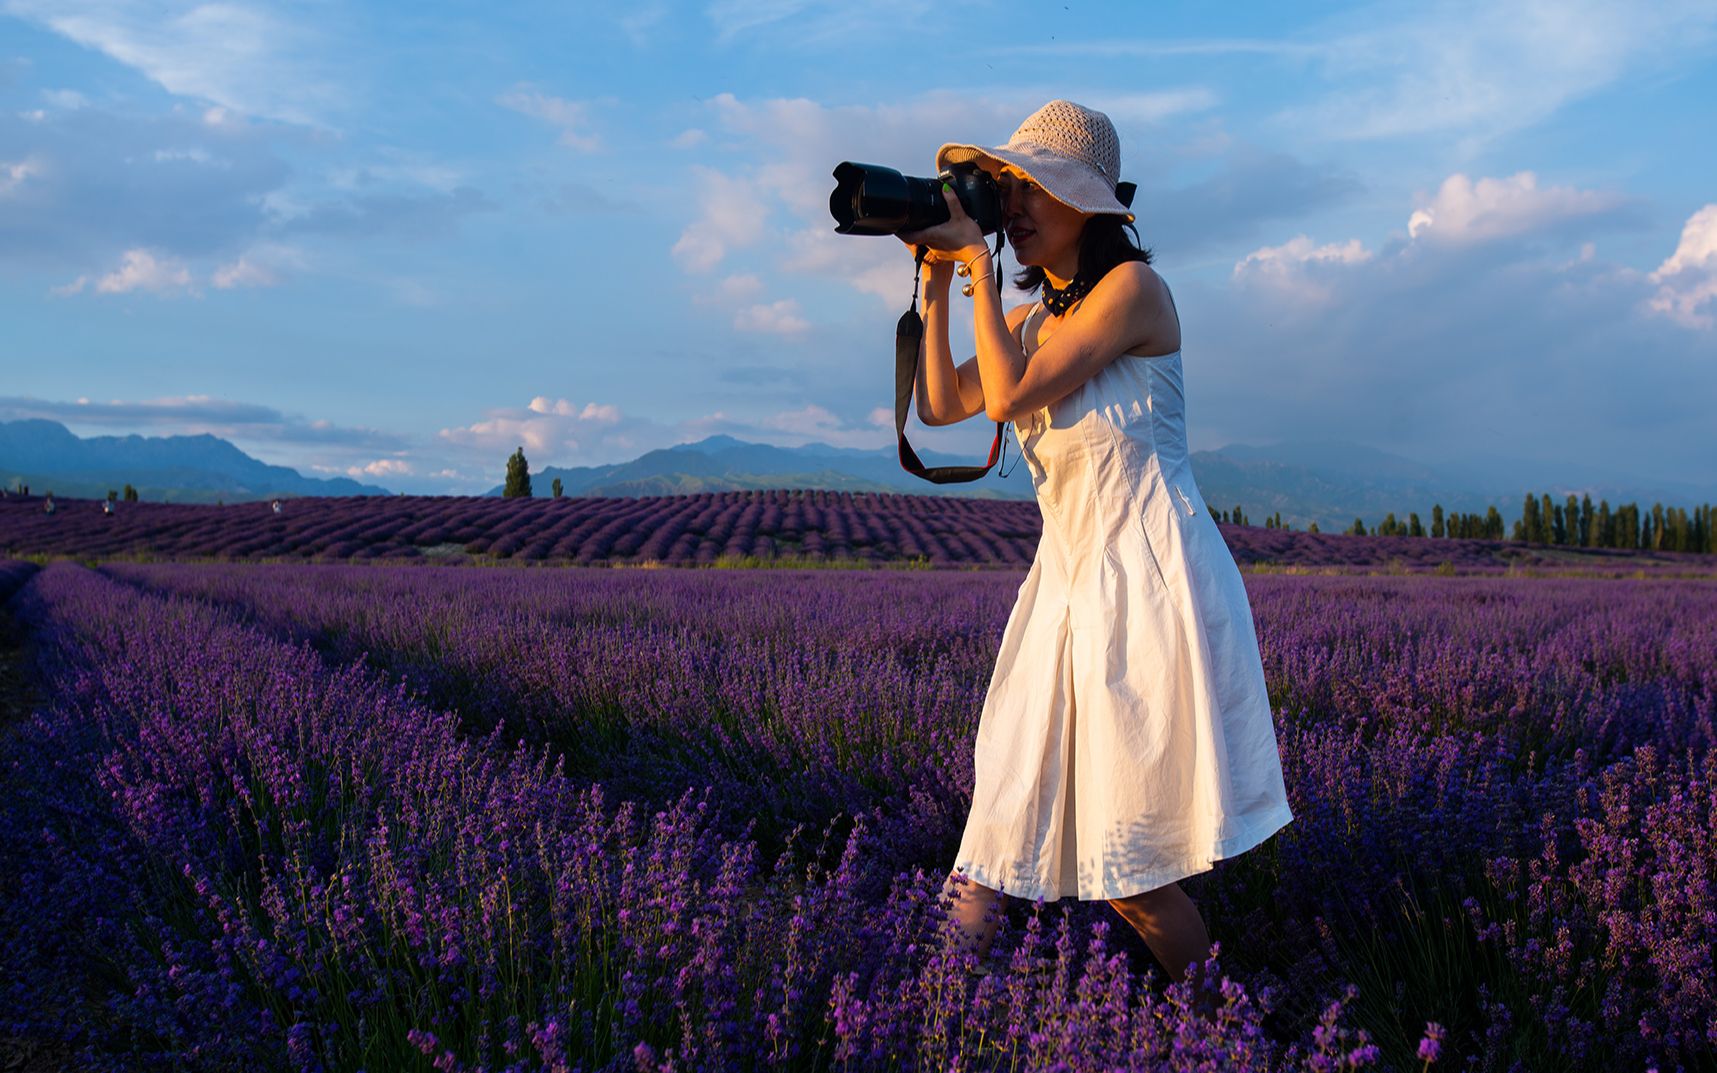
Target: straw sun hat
column 1070, row 151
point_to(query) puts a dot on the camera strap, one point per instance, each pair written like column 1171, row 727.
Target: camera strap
column 908, row 337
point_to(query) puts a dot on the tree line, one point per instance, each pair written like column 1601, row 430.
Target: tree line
column 1574, row 522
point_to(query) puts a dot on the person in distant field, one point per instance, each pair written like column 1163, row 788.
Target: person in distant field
column 48, row 504
column 1127, row 739
column 107, row 506
column 275, row 506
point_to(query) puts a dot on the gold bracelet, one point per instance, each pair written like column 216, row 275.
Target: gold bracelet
column 964, row 268
column 971, row 287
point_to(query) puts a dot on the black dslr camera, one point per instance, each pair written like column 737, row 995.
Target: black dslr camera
column 871, row 200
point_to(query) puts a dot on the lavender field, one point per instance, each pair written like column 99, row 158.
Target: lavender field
column 336, row 817
column 783, row 527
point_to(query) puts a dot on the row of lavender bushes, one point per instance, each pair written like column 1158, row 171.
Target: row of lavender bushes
column 1476, row 765
column 223, row 851
column 703, row 530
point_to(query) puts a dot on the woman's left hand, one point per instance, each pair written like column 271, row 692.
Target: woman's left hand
column 956, row 233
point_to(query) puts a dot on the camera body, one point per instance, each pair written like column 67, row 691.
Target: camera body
column 873, row 200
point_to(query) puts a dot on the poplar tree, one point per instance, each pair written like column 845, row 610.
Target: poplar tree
column 555, row 488
column 518, row 477
column 1529, row 526
column 1437, row 519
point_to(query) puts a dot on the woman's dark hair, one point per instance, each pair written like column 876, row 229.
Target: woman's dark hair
column 1108, row 240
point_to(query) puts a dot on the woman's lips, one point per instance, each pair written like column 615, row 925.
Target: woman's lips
column 1018, row 235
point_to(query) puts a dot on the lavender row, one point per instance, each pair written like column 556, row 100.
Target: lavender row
column 803, row 695
column 703, row 530
column 223, row 854
column 1440, row 738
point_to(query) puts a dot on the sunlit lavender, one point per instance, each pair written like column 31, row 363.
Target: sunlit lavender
column 332, row 817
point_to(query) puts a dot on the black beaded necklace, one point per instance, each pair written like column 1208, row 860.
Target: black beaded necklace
column 1060, row 301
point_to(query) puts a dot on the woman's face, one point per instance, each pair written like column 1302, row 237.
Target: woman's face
column 1040, row 228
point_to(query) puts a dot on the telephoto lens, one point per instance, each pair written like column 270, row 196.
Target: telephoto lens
column 873, row 200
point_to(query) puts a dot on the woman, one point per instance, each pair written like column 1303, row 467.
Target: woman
column 1126, row 741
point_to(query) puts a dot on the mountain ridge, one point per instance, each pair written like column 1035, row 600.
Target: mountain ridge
column 200, row 468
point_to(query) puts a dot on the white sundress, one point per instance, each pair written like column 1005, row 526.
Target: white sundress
column 1127, row 739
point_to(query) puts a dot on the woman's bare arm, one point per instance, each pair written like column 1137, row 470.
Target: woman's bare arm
column 947, row 394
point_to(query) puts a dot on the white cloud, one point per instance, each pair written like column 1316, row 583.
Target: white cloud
column 542, row 404
column 243, row 273
column 731, row 215
column 1464, row 211
column 1427, row 349
column 381, row 467
column 777, row 318
column 544, row 426
column 263, row 266
column 795, row 143
column 13, row 174
column 1687, row 280
column 1293, row 267
column 140, row 270
column 233, row 54
column 571, row 118
column 689, row 138
column 599, row 413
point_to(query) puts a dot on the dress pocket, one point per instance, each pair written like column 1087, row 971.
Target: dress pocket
column 1142, row 528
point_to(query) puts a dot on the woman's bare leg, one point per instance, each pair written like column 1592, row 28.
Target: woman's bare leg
column 978, row 910
column 1170, row 925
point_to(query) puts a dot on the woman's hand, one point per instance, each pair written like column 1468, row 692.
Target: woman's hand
column 959, row 234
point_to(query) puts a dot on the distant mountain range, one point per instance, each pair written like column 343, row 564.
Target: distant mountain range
column 1330, row 482
column 725, row 464
column 48, row 457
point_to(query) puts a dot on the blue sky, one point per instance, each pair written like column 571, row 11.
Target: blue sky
column 396, row 241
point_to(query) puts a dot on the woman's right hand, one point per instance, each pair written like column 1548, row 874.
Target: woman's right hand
column 938, row 263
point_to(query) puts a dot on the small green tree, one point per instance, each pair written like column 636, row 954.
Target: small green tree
column 518, row 477
column 1437, row 520
column 112, row 496
column 556, row 488
column 1358, row 528
column 130, row 494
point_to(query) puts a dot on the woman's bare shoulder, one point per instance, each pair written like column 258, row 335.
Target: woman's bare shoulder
column 1137, row 282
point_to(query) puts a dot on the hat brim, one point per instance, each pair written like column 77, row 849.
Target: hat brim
column 1067, row 181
